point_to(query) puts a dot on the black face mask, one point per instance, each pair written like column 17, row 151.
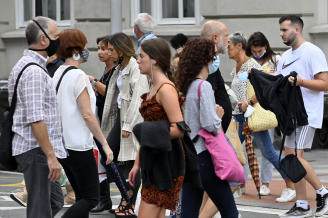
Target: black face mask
column 53, row 45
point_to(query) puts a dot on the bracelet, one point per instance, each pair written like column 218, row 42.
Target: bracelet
column 94, row 83
column 251, row 102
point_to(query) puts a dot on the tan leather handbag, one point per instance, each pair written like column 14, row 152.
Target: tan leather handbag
column 232, row 134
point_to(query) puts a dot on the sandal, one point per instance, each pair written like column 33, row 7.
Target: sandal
column 126, row 212
column 120, row 207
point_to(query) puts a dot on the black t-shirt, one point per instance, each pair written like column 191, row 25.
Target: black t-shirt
column 101, row 99
column 53, row 66
column 221, row 97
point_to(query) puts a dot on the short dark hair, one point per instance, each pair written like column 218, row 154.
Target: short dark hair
column 71, row 39
column 294, row 19
column 179, row 40
column 103, row 39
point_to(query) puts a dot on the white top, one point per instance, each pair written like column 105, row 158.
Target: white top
column 307, row 60
column 119, row 85
column 77, row 135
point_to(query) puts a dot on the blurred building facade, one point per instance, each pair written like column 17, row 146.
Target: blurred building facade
column 170, row 17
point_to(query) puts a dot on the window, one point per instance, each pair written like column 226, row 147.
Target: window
column 168, row 11
column 58, row 10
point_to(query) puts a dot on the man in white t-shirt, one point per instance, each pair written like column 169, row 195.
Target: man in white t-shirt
column 310, row 64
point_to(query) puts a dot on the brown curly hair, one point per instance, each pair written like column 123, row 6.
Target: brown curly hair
column 197, row 53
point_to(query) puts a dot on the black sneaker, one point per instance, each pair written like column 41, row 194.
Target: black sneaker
column 322, row 205
column 298, row 212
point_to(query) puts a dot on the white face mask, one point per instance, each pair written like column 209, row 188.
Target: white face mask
column 214, row 66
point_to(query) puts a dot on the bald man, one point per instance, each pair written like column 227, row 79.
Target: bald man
column 218, row 33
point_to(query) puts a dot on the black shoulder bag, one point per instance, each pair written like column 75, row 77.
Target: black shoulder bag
column 290, row 164
column 6, row 158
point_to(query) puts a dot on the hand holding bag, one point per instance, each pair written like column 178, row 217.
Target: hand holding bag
column 260, row 119
column 290, row 164
column 226, row 164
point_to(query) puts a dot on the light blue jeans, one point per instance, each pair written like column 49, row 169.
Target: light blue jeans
column 264, row 143
column 266, row 166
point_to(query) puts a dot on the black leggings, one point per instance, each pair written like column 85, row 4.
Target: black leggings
column 81, row 170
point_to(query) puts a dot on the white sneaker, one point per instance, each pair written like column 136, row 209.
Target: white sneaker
column 286, row 195
column 264, row 190
column 237, row 193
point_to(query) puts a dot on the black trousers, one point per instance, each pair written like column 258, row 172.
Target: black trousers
column 81, row 170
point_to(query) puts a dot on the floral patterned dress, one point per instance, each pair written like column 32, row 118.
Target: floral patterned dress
column 151, row 110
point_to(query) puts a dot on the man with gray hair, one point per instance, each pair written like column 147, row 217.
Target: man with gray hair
column 37, row 141
column 143, row 27
column 218, row 33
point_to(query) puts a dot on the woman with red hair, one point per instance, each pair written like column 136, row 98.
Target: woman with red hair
column 77, row 103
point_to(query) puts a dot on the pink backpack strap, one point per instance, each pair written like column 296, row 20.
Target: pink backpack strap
column 199, row 88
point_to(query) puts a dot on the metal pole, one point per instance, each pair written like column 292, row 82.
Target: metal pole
column 116, row 16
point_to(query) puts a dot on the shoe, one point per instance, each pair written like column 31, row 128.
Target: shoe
column 69, row 201
column 20, row 198
column 125, row 212
column 298, row 212
column 104, row 204
column 286, row 195
column 322, row 205
column 237, row 193
column 242, row 190
column 264, row 190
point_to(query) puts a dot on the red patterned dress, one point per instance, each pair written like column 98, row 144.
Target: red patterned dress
column 151, row 110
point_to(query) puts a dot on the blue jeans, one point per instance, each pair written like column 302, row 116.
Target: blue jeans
column 263, row 141
column 218, row 190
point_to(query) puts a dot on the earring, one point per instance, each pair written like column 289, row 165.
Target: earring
column 76, row 57
column 120, row 60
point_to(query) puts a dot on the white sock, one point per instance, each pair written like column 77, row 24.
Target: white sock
column 302, row 203
column 322, row 191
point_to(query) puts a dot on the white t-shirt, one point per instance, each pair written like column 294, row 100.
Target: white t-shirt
column 307, row 60
column 119, row 85
column 77, row 135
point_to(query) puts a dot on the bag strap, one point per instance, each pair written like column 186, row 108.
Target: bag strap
column 63, row 74
column 14, row 99
column 294, row 121
column 198, row 90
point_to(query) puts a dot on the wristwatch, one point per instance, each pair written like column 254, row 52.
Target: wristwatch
column 94, row 82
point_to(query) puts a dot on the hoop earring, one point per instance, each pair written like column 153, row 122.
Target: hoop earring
column 76, row 57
